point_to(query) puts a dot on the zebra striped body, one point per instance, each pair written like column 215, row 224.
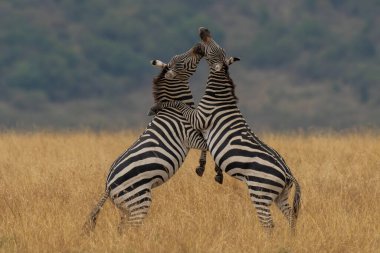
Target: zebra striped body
column 150, row 161
column 233, row 146
column 160, row 150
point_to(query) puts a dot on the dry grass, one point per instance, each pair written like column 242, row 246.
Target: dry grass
column 50, row 181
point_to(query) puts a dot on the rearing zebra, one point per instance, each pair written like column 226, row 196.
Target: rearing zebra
column 160, row 150
column 234, row 147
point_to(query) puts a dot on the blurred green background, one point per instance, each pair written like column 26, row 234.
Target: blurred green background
column 306, row 64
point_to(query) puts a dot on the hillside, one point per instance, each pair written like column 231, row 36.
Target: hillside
column 305, row 64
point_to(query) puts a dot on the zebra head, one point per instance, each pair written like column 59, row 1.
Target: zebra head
column 173, row 81
column 182, row 67
column 214, row 54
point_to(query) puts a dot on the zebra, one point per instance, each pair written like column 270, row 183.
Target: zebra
column 160, row 150
column 234, row 147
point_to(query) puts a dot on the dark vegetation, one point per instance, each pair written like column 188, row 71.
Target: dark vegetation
column 82, row 63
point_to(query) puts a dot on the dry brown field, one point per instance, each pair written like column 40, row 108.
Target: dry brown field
column 50, row 181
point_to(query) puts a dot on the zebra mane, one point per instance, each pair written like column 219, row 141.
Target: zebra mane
column 156, row 81
column 230, row 81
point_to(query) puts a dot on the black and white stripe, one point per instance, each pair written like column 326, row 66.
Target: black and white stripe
column 160, row 150
column 234, row 147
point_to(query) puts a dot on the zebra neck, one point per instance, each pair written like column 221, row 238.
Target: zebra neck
column 173, row 90
column 221, row 88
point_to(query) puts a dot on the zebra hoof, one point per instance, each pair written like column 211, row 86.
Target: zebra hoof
column 200, row 171
column 219, row 178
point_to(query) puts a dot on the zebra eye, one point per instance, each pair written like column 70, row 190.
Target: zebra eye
column 170, row 74
column 217, row 66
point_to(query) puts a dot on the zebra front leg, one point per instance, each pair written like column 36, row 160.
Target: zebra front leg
column 202, row 162
column 219, row 175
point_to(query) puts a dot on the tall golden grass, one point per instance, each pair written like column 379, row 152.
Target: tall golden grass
column 50, row 181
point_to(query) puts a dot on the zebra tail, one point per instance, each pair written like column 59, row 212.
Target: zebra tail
column 91, row 221
column 297, row 199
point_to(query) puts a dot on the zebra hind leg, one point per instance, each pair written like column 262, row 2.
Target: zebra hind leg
column 124, row 214
column 264, row 214
column 134, row 210
column 283, row 204
column 202, row 162
column 262, row 201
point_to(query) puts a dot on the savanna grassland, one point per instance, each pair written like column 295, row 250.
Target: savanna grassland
column 50, row 181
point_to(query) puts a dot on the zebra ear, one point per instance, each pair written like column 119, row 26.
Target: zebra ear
column 232, row 60
column 158, row 63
